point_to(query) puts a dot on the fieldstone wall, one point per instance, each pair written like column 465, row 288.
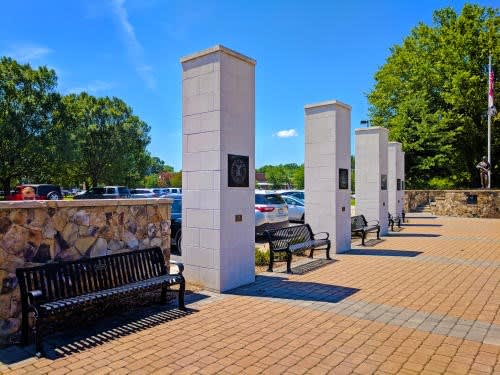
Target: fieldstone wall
column 462, row 203
column 35, row 232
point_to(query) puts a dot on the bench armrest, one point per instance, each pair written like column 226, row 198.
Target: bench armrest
column 179, row 265
column 324, row 233
column 33, row 295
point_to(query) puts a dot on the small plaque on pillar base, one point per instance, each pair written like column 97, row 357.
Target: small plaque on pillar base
column 398, row 184
column 343, row 179
column 237, row 170
column 383, row 182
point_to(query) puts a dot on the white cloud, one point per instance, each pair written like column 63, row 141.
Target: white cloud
column 28, row 52
column 92, row 87
column 286, row 133
column 133, row 46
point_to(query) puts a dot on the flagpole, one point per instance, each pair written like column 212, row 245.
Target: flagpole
column 489, row 125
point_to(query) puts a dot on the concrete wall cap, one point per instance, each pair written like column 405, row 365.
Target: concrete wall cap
column 327, row 103
column 218, row 48
column 371, row 130
column 85, row 203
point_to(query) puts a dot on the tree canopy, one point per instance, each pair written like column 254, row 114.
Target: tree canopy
column 49, row 137
column 432, row 95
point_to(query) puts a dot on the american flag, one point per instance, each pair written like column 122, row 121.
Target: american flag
column 491, row 104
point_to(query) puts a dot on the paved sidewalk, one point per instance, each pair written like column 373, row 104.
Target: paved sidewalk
column 425, row 300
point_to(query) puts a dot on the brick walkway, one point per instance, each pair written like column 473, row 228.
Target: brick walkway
column 425, row 300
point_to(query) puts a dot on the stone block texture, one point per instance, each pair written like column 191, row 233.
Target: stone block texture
column 37, row 232
column 218, row 96
column 371, row 165
column 327, row 149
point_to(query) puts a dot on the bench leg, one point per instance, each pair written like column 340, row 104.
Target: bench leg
column 363, row 234
column 163, row 297
column 289, row 262
column 378, row 233
column 182, row 291
column 311, row 254
column 38, row 337
column 399, row 223
column 328, row 251
column 392, row 226
column 271, row 260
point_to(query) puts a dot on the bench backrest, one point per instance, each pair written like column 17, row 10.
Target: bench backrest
column 358, row 222
column 279, row 239
column 73, row 278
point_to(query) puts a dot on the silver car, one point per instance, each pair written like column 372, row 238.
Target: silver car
column 295, row 208
column 271, row 212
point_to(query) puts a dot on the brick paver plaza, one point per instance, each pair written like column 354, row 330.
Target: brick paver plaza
column 424, row 300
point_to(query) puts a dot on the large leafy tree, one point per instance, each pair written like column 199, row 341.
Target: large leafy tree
column 28, row 101
column 431, row 93
column 109, row 141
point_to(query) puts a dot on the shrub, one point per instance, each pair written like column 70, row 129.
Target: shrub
column 261, row 257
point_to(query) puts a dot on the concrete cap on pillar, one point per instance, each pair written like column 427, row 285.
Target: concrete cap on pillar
column 218, row 48
column 327, row 103
column 371, row 130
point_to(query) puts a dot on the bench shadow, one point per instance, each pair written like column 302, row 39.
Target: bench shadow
column 413, row 235
column 423, row 225
column 97, row 332
column 421, row 217
column 283, row 288
column 383, row 252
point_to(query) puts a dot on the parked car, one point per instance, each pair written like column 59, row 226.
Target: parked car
column 107, row 192
column 42, row 192
column 295, row 208
column 271, row 212
column 171, row 190
column 293, row 193
column 176, row 224
column 142, row 193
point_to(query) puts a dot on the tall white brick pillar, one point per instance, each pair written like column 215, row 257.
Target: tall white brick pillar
column 401, row 176
column 327, row 171
column 371, row 175
column 218, row 168
column 394, row 180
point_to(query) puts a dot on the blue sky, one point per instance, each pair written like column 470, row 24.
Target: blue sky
column 306, row 52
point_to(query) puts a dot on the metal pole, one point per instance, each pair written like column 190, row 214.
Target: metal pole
column 489, row 126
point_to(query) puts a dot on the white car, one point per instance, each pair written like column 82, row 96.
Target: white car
column 295, row 208
column 271, row 212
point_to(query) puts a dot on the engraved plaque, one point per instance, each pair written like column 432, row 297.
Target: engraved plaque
column 237, row 171
column 343, row 179
column 383, row 182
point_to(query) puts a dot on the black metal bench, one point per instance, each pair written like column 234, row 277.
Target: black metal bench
column 56, row 288
column 293, row 239
column 394, row 220
column 360, row 225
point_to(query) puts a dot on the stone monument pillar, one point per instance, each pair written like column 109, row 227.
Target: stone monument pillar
column 371, row 175
column 401, row 176
column 327, row 171
column 394, row 181
column 218, row 168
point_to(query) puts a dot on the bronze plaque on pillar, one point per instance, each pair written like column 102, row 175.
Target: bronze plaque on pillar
column 237, row 171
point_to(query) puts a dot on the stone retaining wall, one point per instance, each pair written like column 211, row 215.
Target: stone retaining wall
column 35, row 232
column 462, row 203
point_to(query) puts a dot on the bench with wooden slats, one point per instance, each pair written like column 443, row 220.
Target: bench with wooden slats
column 293, row 239
column 394, row 219
column 54, row 288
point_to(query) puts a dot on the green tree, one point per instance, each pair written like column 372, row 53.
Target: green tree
column 298, row 177
column 176, row 179
column 109, row 141
column 27, row 102
column 431, row 94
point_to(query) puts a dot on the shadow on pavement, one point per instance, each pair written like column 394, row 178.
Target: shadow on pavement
column 96, row 333
column 283, row 288
column 413, row 235
column 423, row 225
column 383, row 252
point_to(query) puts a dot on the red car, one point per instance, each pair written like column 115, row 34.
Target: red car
column 42, row 192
